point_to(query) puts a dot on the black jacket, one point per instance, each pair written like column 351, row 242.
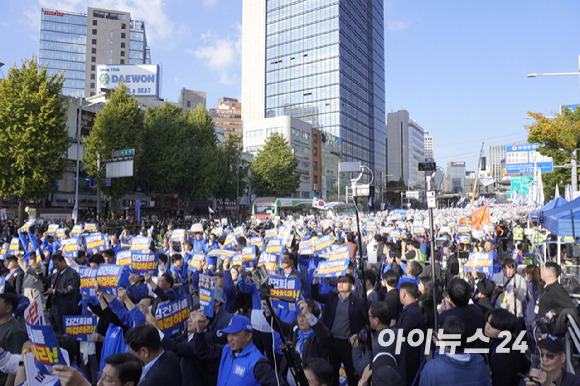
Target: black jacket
column 165, row 371
column 356, row 309
column 553, row 297
column 194, row 371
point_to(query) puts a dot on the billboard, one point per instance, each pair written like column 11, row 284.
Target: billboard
column 521, row 159
column 140, row 79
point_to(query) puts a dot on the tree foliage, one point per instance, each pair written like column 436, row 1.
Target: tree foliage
column 33, row 134
column 232, row 170
column 119, row 126
column 559, row 137
column 274, row 169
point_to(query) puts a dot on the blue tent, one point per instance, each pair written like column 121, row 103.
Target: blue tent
column 539, row 213
column 559, row 220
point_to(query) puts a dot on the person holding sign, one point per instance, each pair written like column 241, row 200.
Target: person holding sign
column 163, row 289
column 12, row 335
column 241, row 363
column 64, row 292
column 33, row 283
column 511, row 289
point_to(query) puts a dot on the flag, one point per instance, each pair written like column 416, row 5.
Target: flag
column 210, row 210
column 461, row 201
column 452, row 205
column 3, row 215
column 370, row 201
column 477, row 219
column 568, row 193
column 557, row 192
column 538, row 199
column 319, row 204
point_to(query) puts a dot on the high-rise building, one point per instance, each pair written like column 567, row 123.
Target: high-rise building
column 190, row 99
column 496, row 156
column 405, row 149
column 76, row 43
column 228, row 116
column 322, row 62
column 455, row 177
column 429, row 154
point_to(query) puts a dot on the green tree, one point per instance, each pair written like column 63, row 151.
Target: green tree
column 274, row 169
column 559, row 136
column 118, row 126
column 33, row 134
column 232, row 170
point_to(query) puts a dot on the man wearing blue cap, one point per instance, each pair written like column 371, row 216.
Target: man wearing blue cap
column 241, row 362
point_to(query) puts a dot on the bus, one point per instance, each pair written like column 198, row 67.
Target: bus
column 266, row 208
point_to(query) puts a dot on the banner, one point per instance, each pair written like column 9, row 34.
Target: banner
column 80, row 328
column 51, row 229
column 26, row 227
column 286, row 237
column 4, row 251
column 224, row 222
column 142, row 263
column 90, row 228
column 140, row 243
column 76, row 231
column 70, row 247
column 238, row 231
column 332, row 268
column 271, row 261
column 206, row 285
column 306, row 247
column 96, row 242
column 482, row 261
column 110, row 277
column 249, row 256
column 2, row 284
column 222, row 254
column 285, row 286
column 173, row 316
column 477, row 219
column 88, row 277
column 59, row 233
column 34, row 313
column 275, row 247
column 230, row 242
column 340, row 254
column 178, row 235
column 323, row 244
column 197, row 228
column 123, row 257
column 270, row 234
column 44, row 347
column 257, row 242
column 192, row 262
column 14, row 246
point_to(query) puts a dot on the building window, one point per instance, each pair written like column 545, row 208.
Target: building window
column 123, row 26
column 122, row 35
column 111, row 43
column 110, row 52
column 122, row 53
column 110, row 61
column 94, row 22
column 188, row 103
column 315, row 165
column 93, row 50
column 94, row 41
column 94, row 31
column 94, row 59
column 315, row 151
column 122, row 44
column 315, row 138
column 92, row 67
column 92, row 76
column 92, row 85
column 122, row 61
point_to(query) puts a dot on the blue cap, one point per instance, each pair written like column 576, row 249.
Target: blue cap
column 237, row 324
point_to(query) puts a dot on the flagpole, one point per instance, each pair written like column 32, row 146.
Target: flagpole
column 477, row 174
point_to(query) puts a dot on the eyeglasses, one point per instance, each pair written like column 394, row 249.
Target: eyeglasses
column 550, row 356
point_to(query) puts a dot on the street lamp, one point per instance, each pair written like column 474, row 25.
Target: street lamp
column 79, row 127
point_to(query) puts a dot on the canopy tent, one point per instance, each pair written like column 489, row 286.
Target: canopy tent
column 559, row 220
column 539, row 213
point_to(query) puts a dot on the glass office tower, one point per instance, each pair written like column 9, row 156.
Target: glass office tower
column 323, row 63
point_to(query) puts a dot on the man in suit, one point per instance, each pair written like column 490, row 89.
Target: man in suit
column 344, row 316
column 15, row 274
column 159, row 367
column 64, row 292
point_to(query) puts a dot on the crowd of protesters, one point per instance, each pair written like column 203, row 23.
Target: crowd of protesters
column 509, row 323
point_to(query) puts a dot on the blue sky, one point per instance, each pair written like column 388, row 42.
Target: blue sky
column 458, row 66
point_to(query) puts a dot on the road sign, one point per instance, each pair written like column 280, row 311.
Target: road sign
column 521, row 159
column 349, row 166
column 106, row 182
column 123, row 153
column 431, row 199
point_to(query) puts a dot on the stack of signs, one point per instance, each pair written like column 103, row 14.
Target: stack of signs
column 270, row 261
column 44, row 348
column 142, row 263
column 70, row 247
column 249, row 256
column 76, row 231
column 206, row 285
column 306, row 247
column 51, row 229
column 285, row 287
column 193, row 261
column 140, row 243
column 197, row 228
column 178, row 235
column 481, row 261
column 258, row 242
column 88, row 277
column 96, row 242
column 173, row 316
column 123, row 257
column 90, row 228
column 323, row 244
column 80, row 328
column 110, row 277
column 270, row 234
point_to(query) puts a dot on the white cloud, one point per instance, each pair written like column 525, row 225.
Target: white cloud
column 209, row 3
column 221, row 54
column 397, row 25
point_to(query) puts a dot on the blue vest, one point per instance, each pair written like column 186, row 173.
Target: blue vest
column 238, row 371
